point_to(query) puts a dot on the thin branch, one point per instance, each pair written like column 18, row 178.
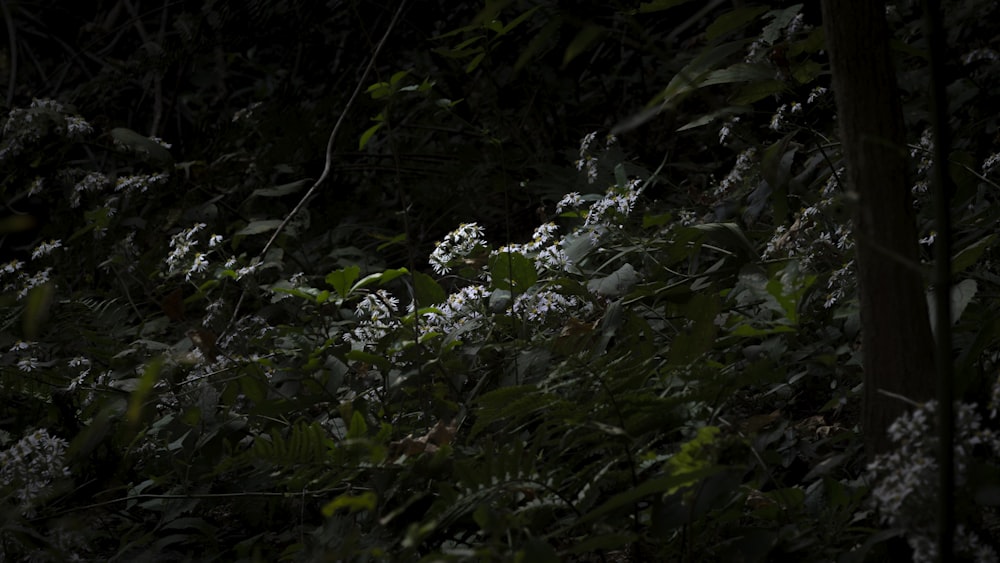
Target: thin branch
column 336, row 129
column 329, row 153
column 12, row 37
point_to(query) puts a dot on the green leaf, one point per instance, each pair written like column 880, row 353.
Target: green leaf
column 739, row 72
column 659, row 5
column 400, row 238
column 619, row 283
column 971, row 254
column 474, row 63
column 142, row 390
column 690, row 78
column 427, row 290
column 774, row 30
column 281, row 190
column 655, row 486
column 687, row 347
column 257, row 227
column 36, row 309
column 757, row 91
column 518, row 20
column 730, row 237
column 512, row 271
column 368, row 358
column 586, row 37
column 358, row 428
column 253, row 388
column 731, row 21
column 143, row 145
column 381, row 277
column 353, row 503
column 342, row 279
column 367, row 135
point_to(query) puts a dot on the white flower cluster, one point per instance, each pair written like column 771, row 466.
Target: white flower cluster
column 45, row 248
column 140, row 182
column 616, row 203
column 548, row 251
column 461, row 308
column 377, row 318
column 456, row 247
column 26, row 126
column 905, row 490
column 32, row 464
column 184, row 244
column 23, row 282
column 540, row 306
column 87, row 182
column 778, row 119
column 744, row 162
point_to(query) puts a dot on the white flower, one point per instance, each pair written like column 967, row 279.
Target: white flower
column 200, row 264
column 45, row 248
column 572, row 200
column 778, row 118
column 816, row 94
column 12, row 266
column 456, row 246
column 36, row 186
column 214, row 240
column 32, row 464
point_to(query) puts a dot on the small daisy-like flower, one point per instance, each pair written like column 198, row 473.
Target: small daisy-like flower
column 816, row 94
column 200, row 264
column 45, row 248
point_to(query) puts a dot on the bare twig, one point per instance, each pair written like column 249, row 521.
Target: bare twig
column 12, row 37
column 329, row 151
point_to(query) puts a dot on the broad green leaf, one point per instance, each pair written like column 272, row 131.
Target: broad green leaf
column 537, row 43
column 368, row 358
column 353, row 503
column 659, row 5
column 757, row 91
column 730, row 237
column 342, row 279
column 654, row 486
column 258, row 227
column 512, row 271
column 687, row 347
column 774, row 30
column 380, row 277
column 693, row 74
column 253, row 388
column 427, row 290
column 584, row 39
column 141, row 144
column 970, row 254
column 36, row 309
column 397, row 77
column 281, row 190
column 807, row 71
column 141, row 392
column 474, row 63
column 367, row 135
column 709, row 118
column 961, row 295
column 731, row 21
column 740, row 72
column 518, row 20
column 617, row 284
column 358, row 428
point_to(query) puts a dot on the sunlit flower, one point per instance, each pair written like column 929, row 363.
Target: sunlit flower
column 456, row 246
column 45, row 248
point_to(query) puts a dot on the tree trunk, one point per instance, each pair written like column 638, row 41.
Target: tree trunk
column 897, row 345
